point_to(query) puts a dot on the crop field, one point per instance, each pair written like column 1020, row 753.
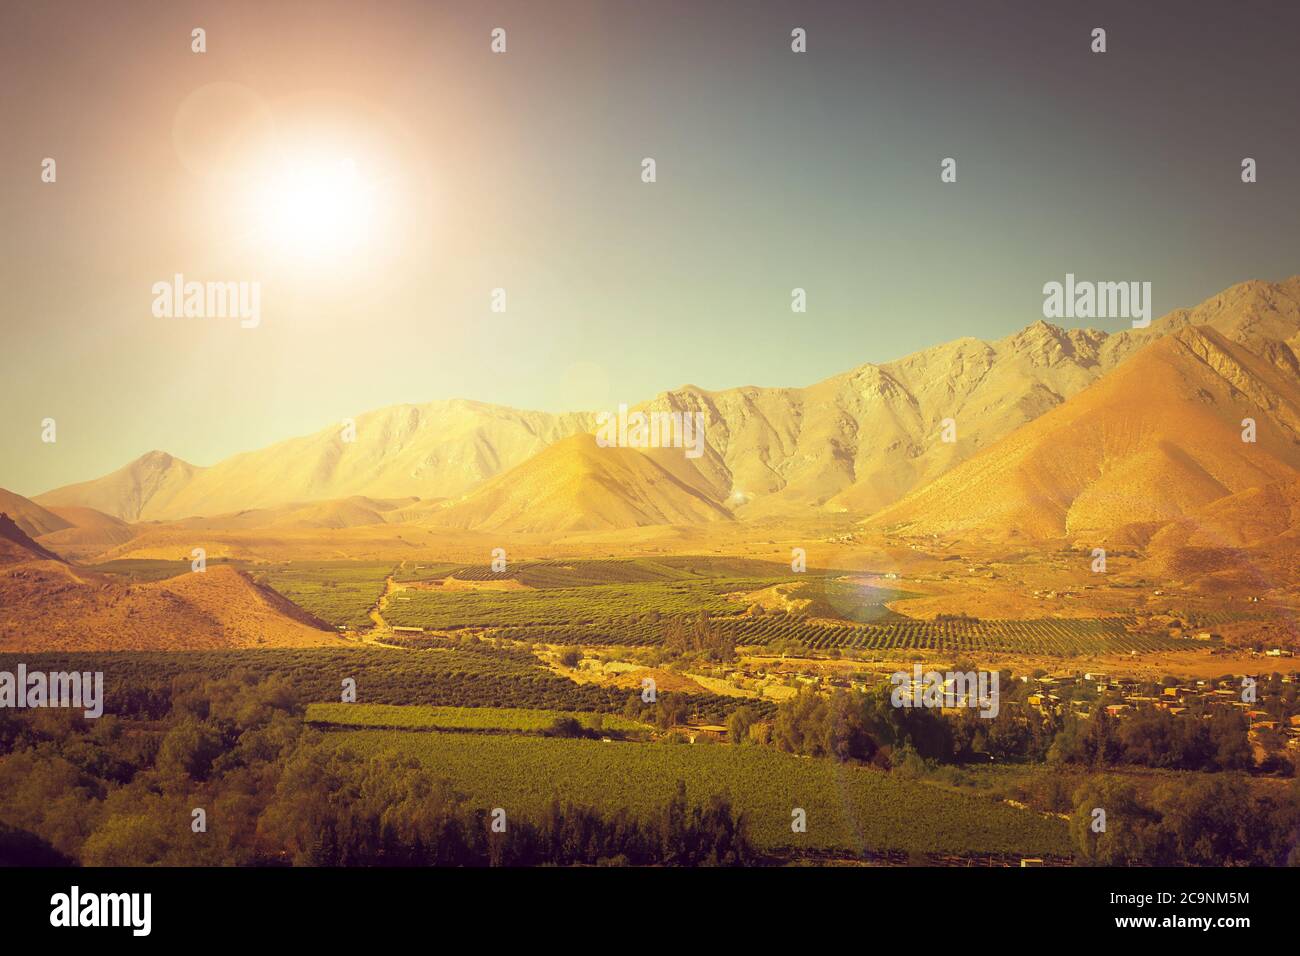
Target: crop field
column 513, row 720
column 620, row 593
column 406, row 572
column 631, row 602
column 849, row 809
column 139, row 683
column 1061, row 638
column 1048, row 636
column 598, row 603
column 338, row 592
column 583, row 572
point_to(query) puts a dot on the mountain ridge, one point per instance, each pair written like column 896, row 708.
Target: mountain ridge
column 856, row 442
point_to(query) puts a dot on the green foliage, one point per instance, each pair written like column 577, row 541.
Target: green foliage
column 513, row 720
column 699, row 637
column 338, row 592
column 849, row 725
column 139, row 684
column 850, row 809
column 1190, row 821
column 1155, row 738
column 274, row 792
column 597, row 604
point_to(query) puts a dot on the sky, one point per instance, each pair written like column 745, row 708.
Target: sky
column 377, row 170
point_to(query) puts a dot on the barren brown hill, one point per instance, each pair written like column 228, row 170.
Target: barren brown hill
column 147, row 485
column 1250, row 540
column 90, row 533
column 575, row 485
column 357, row 511
column 29, row 516
column 45, row 605
column 16, row 546
column 1158, row 438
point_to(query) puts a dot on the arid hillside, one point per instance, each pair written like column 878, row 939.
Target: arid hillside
column 855, row 443
column 1157, row 439
column 434, row 450
column 29, row 516
column 575, row 485
column 49, row 605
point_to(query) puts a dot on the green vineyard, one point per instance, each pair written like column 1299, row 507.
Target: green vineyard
column 1048, row 636
column 338, row 592
column 495, row 719
column 594, row 571
column 849, row 809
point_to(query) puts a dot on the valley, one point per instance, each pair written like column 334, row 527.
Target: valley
column 492, row 602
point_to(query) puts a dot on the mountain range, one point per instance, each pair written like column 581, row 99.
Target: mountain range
column 1058, row 433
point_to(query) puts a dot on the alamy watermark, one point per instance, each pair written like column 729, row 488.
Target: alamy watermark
column 657, row 429
column 133, row 911
column 179, row 299
column 974, row 689
column 25, row 689
column 1098, row 300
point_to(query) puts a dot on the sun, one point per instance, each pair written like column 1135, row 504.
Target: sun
column 318, row 210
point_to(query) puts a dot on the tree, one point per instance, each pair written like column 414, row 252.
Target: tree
column 738, row 723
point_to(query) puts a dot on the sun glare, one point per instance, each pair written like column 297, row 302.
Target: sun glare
column 317, row 211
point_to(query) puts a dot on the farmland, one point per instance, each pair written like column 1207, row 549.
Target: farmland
column 599, row 603
column 587, row 572
column 633, row 602
column 338, row 592
column 139, row 683
column 849, row 809
column 1047, row 636
column 500, row 719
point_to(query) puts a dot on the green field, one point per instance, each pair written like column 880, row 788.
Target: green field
column 585, row 572
column 139, row 683
column 338, row 592
column 505, row 719
column 631, row 602
column 1060, row 637
column 597, row 603
column 626, row 596
column 1048, row 636
column 849, row 809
